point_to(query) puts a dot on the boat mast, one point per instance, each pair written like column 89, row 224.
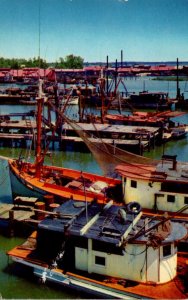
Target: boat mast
column 102, row 94
column 121, row 58
column 40, row 100
column 39, row 158
column 107, row 85
column 178, row 89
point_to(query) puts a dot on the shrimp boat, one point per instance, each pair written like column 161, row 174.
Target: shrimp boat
column 36, row 179
column 107, row 250
column 155, row 100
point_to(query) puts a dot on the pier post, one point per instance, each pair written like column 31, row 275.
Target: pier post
column 149, row 142
column 140, row 146
column 11, row 223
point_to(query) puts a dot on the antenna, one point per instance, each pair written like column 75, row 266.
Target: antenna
column 39, row 23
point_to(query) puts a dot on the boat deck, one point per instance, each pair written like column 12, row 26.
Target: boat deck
column 176, row 289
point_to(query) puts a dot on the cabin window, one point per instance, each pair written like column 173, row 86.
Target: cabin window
column 166, row 250
column 133, row 184
column 171, row 198
column 174, row 187
column 99, row 260
column 102, row 246
column 185, row 200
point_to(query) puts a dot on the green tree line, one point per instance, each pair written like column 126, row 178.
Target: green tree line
column 69, row 62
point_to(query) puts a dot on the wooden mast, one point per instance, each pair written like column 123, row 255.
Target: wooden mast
column 177, row 80
column 107, row 85
column 121, row 58
column 40, row 100
column 39, row 158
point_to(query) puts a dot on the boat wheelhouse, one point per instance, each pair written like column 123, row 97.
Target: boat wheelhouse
column 160, row 187
column 107, row 250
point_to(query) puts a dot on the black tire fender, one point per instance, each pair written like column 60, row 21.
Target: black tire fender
column 133, row 208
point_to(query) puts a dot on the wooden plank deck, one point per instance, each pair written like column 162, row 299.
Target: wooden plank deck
column 16, row 136
column 26, row 136
column 105, row 128
column 114, row 128
column 105, row 140
column 16, row 218
column 4, row 209
column 18, row 124
column 21, row 213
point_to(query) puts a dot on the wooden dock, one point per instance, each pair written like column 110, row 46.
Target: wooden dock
column 17, row 220
column 123, row 136
column 114, row 131
column 135, row 139
column 16, row 99
column 22, row 217
column 18, row 124
column 136, row 146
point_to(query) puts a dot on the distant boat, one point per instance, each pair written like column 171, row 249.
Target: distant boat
column 108, row 251
column 154, row 100
column 142, row 118
column 179, row 132
column 30, row 101
column 73, row 100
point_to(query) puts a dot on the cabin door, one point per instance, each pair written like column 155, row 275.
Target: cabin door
column 152, row 265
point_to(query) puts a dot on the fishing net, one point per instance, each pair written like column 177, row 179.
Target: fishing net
column 108, row 156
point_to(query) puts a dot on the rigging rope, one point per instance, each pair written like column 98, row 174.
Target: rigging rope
column 107, row 156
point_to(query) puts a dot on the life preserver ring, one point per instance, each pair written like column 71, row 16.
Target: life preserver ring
column 134, row 208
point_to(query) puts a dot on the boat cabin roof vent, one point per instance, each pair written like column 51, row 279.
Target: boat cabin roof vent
column 172, row 158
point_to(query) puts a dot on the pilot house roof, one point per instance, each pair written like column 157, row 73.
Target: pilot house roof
column 112, row 224
column 167, row 169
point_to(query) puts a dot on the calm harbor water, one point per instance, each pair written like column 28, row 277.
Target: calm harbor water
column 13, row 282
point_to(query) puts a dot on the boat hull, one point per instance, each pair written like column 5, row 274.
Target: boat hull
column 74, row 185
column 75, row 282
column 21, row 187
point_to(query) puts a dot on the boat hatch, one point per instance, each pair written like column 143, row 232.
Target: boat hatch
column 74, row 184
column 111, row 232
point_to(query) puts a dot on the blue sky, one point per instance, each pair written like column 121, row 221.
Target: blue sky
column 146, row 30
